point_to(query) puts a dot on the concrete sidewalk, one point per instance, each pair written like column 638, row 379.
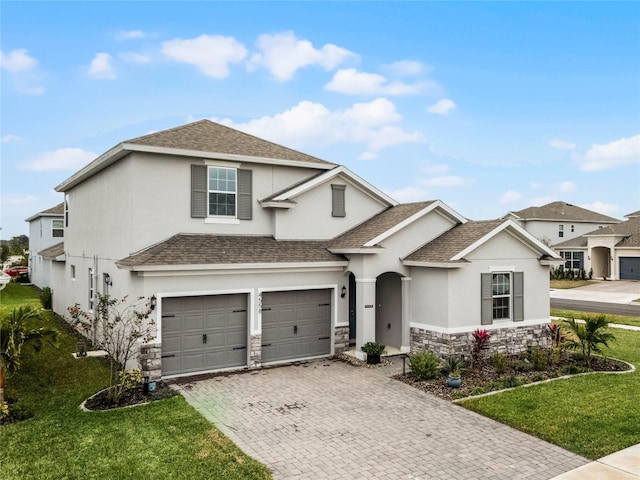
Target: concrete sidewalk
column 618, row 291
column 622, row 465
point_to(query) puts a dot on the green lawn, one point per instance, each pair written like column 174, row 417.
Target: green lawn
column 565, row 284
column 166, row 439
column 619, row 319
column 592, row 415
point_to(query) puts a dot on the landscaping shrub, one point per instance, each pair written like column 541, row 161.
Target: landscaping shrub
column 539, row 359
column 424, row 365
column 500, row 362
column 510, row 381
column 130, row 379
column 480, row 343
column 572, row 369
column 522, row 366
column 46, row 298
column 453, row 364
column 590, row 336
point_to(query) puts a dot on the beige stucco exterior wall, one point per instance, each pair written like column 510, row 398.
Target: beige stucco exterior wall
column 547, row 230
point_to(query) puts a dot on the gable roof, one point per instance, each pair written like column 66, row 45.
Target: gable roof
column 201, row 139
column 183, row 250
column 52, row 252
column 633, row 214
column 57, row 211
column 630, row 230
column 453, row 245
column 374, row 230
column 564, row 212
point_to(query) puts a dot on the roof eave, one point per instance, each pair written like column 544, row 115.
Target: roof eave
column 418, row 263
column 356, row 250
column 231, row 266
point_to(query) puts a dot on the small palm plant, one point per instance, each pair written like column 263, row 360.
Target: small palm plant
column 588, row 337
column 17, row 331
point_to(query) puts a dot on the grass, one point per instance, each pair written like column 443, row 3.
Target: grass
column 565, row 284
column 165, row 439
column 592, row 415
column 619, row 319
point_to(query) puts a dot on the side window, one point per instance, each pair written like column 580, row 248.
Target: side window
column 73, row 272
column 66, row 210
column 91, row 288
column 338, row 208
column 560, row 231
column 221, row 192
column 502, row 297
column 57, row 228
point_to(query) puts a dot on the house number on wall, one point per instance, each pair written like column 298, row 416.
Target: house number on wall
column 368, row 306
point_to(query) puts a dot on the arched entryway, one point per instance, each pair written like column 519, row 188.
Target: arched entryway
column 389, row 309
column 601, row 262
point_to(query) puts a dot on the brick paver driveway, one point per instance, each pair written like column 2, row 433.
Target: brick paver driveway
column 330, row 420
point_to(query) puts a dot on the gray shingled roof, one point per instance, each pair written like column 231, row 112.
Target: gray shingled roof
column 205, row 249
column 377, row 225
column 53, row 251
column 633, row 214
column 629, row 229
column 207, row 136
column 454, row 241
column 577, row 242
column 565, row 212
column 58, row 210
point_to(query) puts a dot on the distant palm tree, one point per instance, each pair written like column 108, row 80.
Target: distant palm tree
column 16, row 332
column 589, row 336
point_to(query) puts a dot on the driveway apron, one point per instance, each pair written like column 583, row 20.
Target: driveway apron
column 330, row 420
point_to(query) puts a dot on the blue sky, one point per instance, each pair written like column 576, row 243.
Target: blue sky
column 490, row 107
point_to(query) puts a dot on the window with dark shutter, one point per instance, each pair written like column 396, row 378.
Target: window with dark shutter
column 245, row 207
column 518, row 296
column 338, row 200
column 198, row 191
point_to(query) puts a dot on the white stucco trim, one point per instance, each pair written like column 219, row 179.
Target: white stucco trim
column 222, row 220
column 546, row 262
column 517, row 232
column 212, row 269
column 366, row 280
column 472, row 328
column 414, row 263
column 221, row 163
column 272, row 204
column 416, row 216
column 340, row 170
column 359, row 250
column 508, row 268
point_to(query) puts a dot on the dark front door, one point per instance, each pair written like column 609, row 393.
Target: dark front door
column 352, row 308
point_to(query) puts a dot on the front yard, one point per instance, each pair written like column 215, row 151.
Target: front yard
column 165, row 439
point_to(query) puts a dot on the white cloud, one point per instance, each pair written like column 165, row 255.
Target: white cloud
column 442, row 107
column 447, row 181
column 435, row 168
column 283, row 54
column 102, row 67
column 309, row 123
column 211, row 54
column 350, row 81
column 133, row 57
column 23, row 70
column 10, row 137
column 601, row 207
column 510, row 196
column 129, row 35
column 405, row 67
column 61, row 159
column 613, row 154
column 567, row 186
column 408, row 194
column 562, row 144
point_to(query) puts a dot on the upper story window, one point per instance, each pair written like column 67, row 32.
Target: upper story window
column 560, row 231
column 338, row 200
column 40, row 228
column 57, row 228
column 222, row 191
column 572, row 228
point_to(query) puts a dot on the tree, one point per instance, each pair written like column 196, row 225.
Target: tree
column 17, row 332
column 117, row 327
column 588, row 337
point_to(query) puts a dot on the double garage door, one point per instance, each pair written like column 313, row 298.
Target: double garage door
column 629, row 268
column 204, row 333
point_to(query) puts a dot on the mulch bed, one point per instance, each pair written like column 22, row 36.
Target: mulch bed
column 129, row 398
column 484, row 378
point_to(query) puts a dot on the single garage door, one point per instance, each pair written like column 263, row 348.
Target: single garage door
column 203, row 333
column 629, row 268
column 295, row 324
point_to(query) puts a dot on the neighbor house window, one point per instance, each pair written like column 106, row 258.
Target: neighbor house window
column 57, row 228
column 40, row 228
column 91, row 288
column 560, row 231
column 573, row 260
column 73, row 272
column 222, row 191
column 572, row 228
column 66, row 210
column 502, row 297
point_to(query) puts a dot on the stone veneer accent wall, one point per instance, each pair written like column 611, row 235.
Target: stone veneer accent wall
column 151, row 361
column 504, row 340
column 255, row 351
column 341, row 340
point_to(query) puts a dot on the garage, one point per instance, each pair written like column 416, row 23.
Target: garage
column 203, row 333
column 296, row 324
column 629, row 268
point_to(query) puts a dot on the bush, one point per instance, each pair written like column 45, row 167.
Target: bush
column 539, row 359
column 500, row 362
column 424, row 365
column 522, row 366
column 510, row 381
column 130, row 379
column 572, row 369
column 46, row 298
column 454, row 365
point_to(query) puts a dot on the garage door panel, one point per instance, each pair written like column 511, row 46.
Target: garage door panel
column 629, row 268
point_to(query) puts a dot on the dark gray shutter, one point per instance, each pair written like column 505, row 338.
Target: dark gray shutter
column 245, row 207
column 337, row 200
column 487, row 299
column 199, row 191
column 518, row 296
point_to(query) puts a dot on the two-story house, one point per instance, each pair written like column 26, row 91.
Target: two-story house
column 46, row 229
column 257, row 254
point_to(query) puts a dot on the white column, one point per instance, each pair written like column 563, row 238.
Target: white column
column 405, row 345
column 365, row 313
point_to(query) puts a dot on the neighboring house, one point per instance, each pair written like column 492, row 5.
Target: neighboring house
column 559, row 221
column 611, row 252
column 45, row 229
column 257, row 254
